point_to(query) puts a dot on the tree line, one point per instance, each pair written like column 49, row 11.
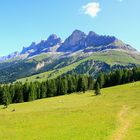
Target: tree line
column 118, row 77
column 19, row 92
column 66, row 84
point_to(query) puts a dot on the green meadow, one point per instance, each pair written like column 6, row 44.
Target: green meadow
column 113, row 115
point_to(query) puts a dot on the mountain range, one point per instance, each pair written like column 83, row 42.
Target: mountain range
column 77, row 41
column 80, row 53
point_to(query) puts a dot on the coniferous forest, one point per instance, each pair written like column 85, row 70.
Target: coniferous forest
column 66, row 84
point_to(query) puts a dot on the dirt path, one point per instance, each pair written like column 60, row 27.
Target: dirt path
column 124, row 124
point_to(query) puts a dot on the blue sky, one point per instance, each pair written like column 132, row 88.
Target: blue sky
column 25, row 21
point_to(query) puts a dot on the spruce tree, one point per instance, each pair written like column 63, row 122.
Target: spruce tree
column 70, row 85
column 97, row 89
column 81, row 84
column 64, row 86
column 75, row 83
column 6, row 96
column 59, row 86
column 12, row 92
column 43, row 90
column 90, row 83
column 51, row 88
column 18, row 97
column 38, row 90
column 25, row 91
column 1, row 94
column 101, row 79
column 31, row 95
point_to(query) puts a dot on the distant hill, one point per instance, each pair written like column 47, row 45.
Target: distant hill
column 79, row 50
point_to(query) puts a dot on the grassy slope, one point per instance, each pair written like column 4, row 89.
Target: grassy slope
column 111, row 57
column 112, row 116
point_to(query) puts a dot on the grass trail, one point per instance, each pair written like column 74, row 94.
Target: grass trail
column 123, row 124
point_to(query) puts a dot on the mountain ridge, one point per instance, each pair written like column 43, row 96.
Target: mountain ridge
column 78, row 40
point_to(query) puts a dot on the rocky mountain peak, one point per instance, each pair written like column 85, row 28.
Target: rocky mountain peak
column 76, row 36
column 95, row 40
column 78, row 33
column 91, row 33
column 75, row 41
column 53, row 40
column 52, row 37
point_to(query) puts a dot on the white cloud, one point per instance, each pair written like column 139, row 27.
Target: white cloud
column 91, row 9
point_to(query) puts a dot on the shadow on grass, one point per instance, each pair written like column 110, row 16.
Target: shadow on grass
column 93, row 95
column 4, row 107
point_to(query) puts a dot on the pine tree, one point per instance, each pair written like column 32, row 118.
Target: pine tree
column 51, row 88
column 38, row 90
column 12, row 92
column 118, row 76
column 31, row 95
column 101, row 79
column 64, row 86
column 18, row 97
column 58, row 86
column 97, row 89
column 70, row 85
column 90, row 83
column 25, row 92
column 1, row 94
column 43, row 90
column 81, row 84
column 6, row 96
column 75, row 82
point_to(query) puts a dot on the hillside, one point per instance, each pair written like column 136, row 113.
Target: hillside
column 112, row 116
column 101, row 61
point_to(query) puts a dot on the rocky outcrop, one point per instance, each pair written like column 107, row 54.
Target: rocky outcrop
column 74, row 42
column 44, row 46
column 40, row 65
column 10, row 56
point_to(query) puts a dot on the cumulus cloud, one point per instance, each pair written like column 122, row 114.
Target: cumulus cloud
column 91, row 9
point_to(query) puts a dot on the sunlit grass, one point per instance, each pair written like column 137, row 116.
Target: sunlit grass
column 74, row 117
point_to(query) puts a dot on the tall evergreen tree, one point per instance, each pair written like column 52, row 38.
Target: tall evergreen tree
column 18, row 97
column 97, row 89
column 6, row 96
column 118, row 74
column 43, row 90
column 1, row 95
column 71, row 85
column 101, row 79
column 31, row 95
column 25, row 91
column 82, row 84
column 64, row 86
column 58, row 86
column 51, row 88
column 12, row 92
column 90, row 83
column 38, row 90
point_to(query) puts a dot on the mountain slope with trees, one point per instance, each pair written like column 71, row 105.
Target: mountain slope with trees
column 67, row 84
column 53, row 54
